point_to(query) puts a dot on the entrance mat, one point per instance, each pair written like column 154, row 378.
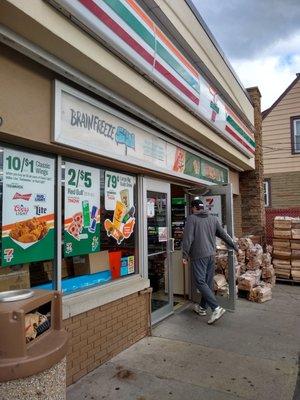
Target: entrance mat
column 156, row 304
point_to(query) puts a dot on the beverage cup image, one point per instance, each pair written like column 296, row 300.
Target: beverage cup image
column 124, row 195
column 86, row 214
column 119, row 213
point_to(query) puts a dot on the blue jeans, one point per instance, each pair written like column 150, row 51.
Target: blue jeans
column 203, row 273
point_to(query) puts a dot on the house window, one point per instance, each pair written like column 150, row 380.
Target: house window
column 295, row 131
column 267, row 192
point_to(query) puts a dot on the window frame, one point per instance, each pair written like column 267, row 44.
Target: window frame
column 293, row 133
column 267, row 192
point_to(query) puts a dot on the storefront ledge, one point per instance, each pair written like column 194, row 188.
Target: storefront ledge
column 81, row 302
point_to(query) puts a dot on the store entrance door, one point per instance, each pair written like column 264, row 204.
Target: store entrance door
column 218, row 201
column 158, row 246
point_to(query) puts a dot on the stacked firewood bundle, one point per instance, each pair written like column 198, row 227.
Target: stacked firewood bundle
column 254, row 270
column 286, row 245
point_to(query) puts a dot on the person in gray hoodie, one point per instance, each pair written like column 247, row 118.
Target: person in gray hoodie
column 199, row 244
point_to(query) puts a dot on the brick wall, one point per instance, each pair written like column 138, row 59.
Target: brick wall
column 99, row 334
column 285, row 189
column 237, row 215
column 251, row 182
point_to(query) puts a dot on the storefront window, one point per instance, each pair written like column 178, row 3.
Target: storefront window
column 98, row 226
column 27, row 188
column 98, row 238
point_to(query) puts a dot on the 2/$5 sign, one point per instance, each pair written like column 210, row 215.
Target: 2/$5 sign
column 84, row 123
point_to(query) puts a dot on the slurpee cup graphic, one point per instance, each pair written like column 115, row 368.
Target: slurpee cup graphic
column 119, row 212
column 124, row 195
column 86, row 213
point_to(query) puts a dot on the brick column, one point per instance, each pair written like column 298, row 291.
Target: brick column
column 251, row 182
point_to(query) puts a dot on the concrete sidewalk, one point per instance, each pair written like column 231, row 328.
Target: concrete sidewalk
column 249, row 354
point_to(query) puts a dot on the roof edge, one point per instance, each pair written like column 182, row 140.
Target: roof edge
column 201, row 21
column 266, row 112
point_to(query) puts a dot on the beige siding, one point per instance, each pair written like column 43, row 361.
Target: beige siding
column 277, row 144
column 285, row 190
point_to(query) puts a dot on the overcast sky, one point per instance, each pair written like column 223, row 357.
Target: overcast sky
column 261, row 39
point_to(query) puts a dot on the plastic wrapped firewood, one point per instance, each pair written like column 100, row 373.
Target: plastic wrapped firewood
column 261, row 293
column 266, row 260
column 220, row 281
column 249, row 280
column 245, row 243
column 241, row 256
column 267, row 272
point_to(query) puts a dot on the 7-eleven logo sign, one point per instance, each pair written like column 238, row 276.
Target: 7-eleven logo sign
column 8, row 255
column 209, row 202
column 213, row 205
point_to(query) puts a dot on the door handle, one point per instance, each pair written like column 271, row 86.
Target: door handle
column 172, row 245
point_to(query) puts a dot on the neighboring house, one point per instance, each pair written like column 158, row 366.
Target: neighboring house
column 281, row 153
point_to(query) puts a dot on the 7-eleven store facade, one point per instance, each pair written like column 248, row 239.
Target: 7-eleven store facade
column 147, row 115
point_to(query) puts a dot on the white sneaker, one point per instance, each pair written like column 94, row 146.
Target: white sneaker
column 217, row 314
column 199, row 310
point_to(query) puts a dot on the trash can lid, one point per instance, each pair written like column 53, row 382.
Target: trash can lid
column 15, row 295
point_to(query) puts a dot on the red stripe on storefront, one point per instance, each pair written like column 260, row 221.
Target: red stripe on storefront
column 115, row 27
column 163, row 71
column 232, row 133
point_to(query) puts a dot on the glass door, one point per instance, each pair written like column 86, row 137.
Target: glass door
column 158, row 246
column 217, row 200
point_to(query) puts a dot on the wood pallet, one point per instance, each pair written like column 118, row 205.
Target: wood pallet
column 287, row 280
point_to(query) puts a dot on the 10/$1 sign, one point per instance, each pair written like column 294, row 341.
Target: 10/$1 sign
column 82, row 204
column 28, row 208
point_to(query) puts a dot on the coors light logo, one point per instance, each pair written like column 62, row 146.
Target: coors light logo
column 19, row 196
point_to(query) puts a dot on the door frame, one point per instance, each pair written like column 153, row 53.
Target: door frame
column 150, row 184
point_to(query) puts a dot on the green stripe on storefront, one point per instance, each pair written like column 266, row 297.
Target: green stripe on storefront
column 176, row 66
column 240, row 130
column 131, row 21
column 148, row 38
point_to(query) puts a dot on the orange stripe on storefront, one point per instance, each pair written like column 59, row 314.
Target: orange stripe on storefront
column 162, row 37
column 141, row 13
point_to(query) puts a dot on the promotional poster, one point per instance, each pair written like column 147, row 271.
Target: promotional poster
column 119, row 198
column 82, row 205
column 28, row 217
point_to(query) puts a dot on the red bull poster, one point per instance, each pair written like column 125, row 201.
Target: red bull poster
column 82, row 204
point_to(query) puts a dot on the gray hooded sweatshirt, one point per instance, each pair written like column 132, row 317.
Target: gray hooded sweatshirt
column 199, row 238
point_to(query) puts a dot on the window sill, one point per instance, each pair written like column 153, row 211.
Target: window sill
column 86, row 300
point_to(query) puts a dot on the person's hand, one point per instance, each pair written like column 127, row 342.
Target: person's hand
column 236, row 247
column 184, row 261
